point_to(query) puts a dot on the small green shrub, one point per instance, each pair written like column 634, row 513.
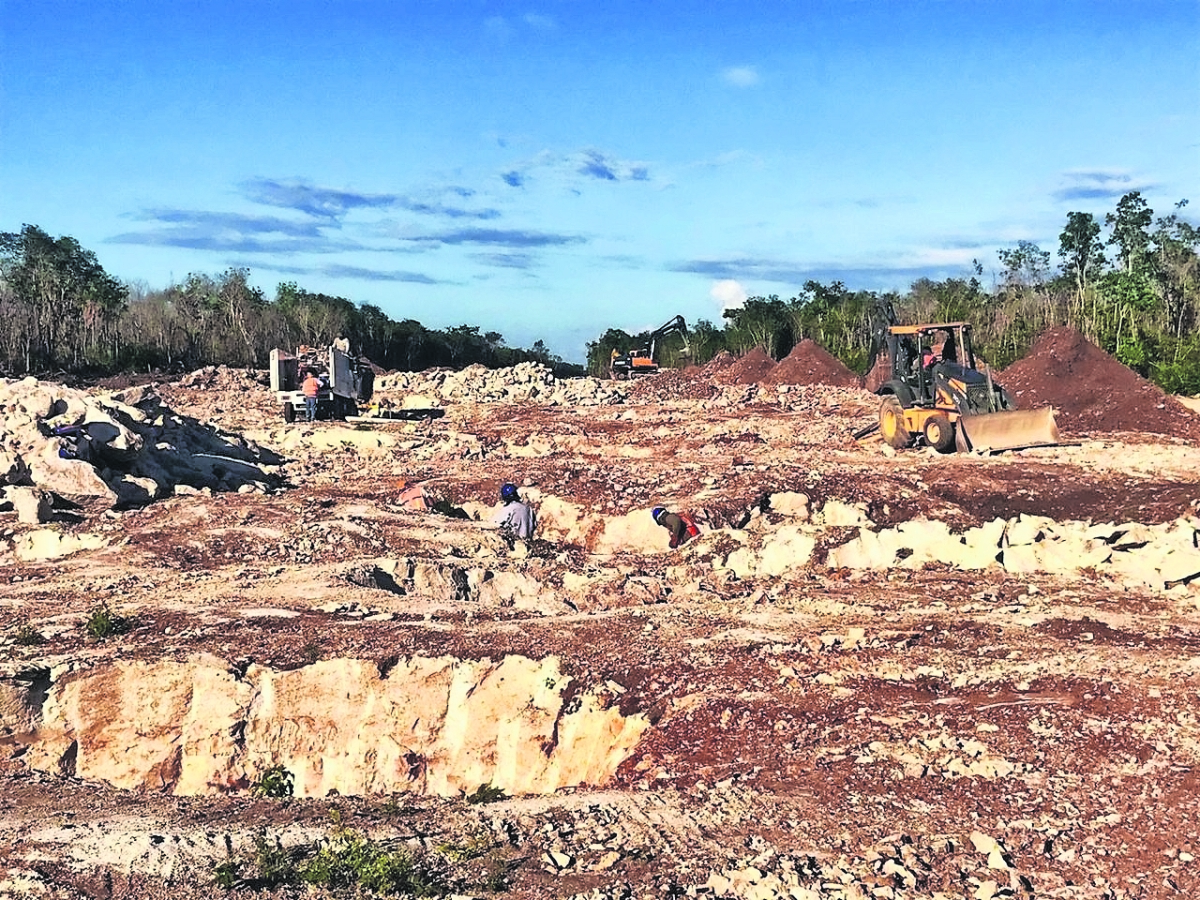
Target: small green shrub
column 350, row 860
column 28, row 636
column 472, row 847
column 269, row 866
column 274, row 864
column 275, row 783
column 311, row 653
column 228, row 873
column 485, row 793
column 103, row 623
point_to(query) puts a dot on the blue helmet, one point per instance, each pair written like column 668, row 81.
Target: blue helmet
column 656, row 512
column 508, row 492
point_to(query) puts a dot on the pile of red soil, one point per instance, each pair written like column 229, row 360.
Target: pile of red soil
column 1091, row 391
column 717, row 364
column 750, row 369
column 810, row 363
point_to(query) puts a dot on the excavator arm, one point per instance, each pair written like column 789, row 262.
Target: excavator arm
column 645, row 361
column 676, row 326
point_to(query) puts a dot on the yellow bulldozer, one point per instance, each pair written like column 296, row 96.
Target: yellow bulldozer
column 936, row 394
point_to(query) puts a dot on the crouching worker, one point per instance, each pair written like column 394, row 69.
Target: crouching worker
column 515, row 519
column 681, row 526
column 412, row 495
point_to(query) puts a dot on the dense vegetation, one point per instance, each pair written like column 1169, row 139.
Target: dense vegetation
column 1130, row 283
column 61, row 311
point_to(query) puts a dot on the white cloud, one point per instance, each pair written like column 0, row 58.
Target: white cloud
column 728, row 293
column 741, row 76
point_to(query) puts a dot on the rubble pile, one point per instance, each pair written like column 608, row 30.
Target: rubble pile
column 718, row 364
column 810, row 363
column 224, row 378
column 63, row 447
column 527, row 381
column 673, row 384
column 1092, row 392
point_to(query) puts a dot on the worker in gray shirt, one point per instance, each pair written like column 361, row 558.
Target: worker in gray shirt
column 515, row 518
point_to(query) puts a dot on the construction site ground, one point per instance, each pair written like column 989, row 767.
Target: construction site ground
column 853, row 734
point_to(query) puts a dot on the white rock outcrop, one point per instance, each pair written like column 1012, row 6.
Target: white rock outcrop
column 1154, row 556
column 427, row 725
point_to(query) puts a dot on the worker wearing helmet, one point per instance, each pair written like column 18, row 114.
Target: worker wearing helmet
column 516, row 519
column 680, row 526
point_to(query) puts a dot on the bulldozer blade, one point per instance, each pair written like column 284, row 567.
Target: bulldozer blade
column 1011, row 430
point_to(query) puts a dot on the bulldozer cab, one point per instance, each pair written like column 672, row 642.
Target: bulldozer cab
column 922, row 352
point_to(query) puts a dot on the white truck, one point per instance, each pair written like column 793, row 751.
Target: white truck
column 345, row 380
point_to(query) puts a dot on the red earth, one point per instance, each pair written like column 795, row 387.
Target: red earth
column 1092, row 392
column 810, row 363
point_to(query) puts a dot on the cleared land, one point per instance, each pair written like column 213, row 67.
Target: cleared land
column 737, row 718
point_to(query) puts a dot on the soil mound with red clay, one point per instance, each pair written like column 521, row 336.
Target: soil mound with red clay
column 750, row 369
column 718, row 364
column 810, row 363
column 1091, row 391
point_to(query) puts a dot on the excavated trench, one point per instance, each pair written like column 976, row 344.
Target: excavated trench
column 439, row 726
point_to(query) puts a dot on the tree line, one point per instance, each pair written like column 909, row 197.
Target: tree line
column 64, row 313
column 1130, row 283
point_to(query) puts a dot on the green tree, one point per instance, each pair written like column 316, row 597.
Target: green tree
column 1082, row 252
column 60, row 296
column 1130, row 230
column 760, row 321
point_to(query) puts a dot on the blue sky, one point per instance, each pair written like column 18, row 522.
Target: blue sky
column 552, row 169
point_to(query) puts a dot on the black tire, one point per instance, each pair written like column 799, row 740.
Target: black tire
column 289, row 413
column 892, row 427
column 939, row 433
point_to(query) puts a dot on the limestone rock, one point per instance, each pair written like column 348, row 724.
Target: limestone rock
column 432, row 725
column 49, row 544
column 31, row 505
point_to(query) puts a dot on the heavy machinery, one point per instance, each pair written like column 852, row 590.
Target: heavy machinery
column 937, row 394
column 345, row 380
column 644, row 361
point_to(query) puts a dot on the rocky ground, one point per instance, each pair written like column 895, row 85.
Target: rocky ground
column 873, row 675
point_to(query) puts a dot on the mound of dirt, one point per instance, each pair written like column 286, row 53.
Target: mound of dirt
column 810, row 363
column 750, row 369
column 717, row 364
column 1091, row 391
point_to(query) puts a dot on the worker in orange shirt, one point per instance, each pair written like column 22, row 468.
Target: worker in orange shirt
column 311, row 387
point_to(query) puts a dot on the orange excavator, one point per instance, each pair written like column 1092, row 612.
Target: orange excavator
column 937, row 395
column 644, row 361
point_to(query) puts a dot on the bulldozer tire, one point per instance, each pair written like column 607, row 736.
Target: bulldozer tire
column 891, row 423
column 939, row 433
column 289, row 413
